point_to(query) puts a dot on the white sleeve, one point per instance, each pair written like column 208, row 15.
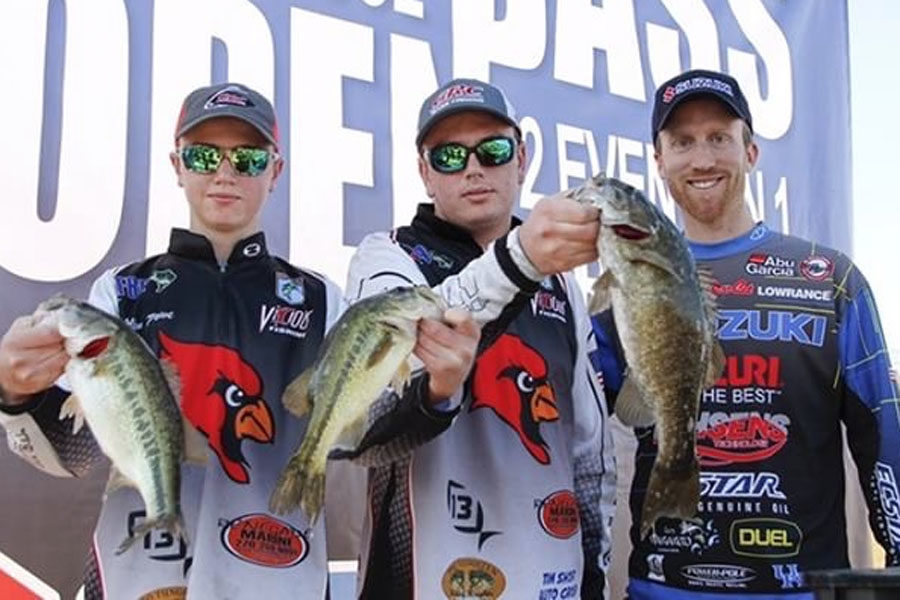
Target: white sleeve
column 483, row 287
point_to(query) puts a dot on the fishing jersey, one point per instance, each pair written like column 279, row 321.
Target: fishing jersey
column 804, row 352
column 516, row 497
column 237, row 334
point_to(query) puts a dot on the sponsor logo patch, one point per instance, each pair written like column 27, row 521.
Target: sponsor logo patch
column 890, row 499
column 718, row 575
column 655, row 570
column 264, row 540
column 427, row 256
column 559, row 584
column 773, row 325
column 769, row 265
column 285, row 320
column 747, row 484
column 558, row 514
column 159, row 544
column 673, row 535
column 132, row 287
column 696, row 83
column 741, row 287
column 816, row 268
column 546, row 304
column 457, row 93
column 290, row 289
column 792, row 293
column 769, row 538
column 789, row 575
column 466, row 513
column 467, row 578
column 744, row 437
column 229, row 96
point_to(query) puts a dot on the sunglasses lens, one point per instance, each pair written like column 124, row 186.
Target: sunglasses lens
column 449, row 158
column 495, row 152
column 249, row 161
column 201, row 159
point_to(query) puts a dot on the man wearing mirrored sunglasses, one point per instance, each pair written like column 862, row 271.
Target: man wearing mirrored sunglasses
column 238, row 324
column 515, row 498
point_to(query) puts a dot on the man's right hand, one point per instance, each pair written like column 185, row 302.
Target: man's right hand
column 560, row 234
column 32, row 357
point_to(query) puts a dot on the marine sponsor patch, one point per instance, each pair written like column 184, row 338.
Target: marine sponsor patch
column 263, row 540
column 467, row 578
column 558, row 514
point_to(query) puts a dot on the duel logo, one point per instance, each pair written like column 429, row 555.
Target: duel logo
column 767, row 538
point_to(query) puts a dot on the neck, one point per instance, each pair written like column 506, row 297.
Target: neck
column 223, row 242
column 485, row 238
column 726, row 228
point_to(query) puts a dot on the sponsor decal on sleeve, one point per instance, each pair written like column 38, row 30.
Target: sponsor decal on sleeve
column 890, row 500
column 263, row 540
column 467, row 578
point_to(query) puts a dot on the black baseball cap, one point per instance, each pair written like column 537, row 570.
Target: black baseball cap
column 692, row 84
column 461, row 95
column 228, row 100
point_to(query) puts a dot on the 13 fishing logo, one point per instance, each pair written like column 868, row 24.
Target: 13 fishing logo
column 718, row 575
column 466, row 513
column 159, row 544
column 672, row 535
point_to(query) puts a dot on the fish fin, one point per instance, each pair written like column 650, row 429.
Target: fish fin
column 117, row 481
column 381, row 350
column 299, row 485
column 170, row 373
column 72, row 408
column 351, row 435
column 401, row 377
column 297, row 397
column 195, row 444
column 631, row 406
column 657, row 260
column 600, row 299
column 670, row 493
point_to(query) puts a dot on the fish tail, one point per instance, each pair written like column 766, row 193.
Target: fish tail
column 313, row 496
column 300, row 485
column 672, row 492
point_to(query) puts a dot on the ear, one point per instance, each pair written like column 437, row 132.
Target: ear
column 660, row 165
column 277, row 168
column 522, row 158
column 425, row 174
column 176, row 164
column 752, row 154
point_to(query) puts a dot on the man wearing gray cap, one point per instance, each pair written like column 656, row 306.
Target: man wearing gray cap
column 513, row 495
column 805, row 353
column 238, row 324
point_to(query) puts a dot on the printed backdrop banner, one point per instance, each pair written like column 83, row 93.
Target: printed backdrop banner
column 93, row 88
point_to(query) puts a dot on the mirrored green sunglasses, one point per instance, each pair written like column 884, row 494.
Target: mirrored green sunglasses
column 453, row 157
column 245, row 160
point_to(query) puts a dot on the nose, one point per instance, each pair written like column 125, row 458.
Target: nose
column 473, row 167
column 226, row 170
column 703, row 156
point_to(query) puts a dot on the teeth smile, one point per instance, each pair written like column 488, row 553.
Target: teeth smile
column 704, row 185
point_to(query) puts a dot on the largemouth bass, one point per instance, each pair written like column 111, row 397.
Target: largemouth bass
column 120, row 390
column 665, row 316
column 367, row 349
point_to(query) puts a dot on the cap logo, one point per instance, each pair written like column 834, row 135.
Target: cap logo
column 230, row 96
column 456, row 93
column 697, row 83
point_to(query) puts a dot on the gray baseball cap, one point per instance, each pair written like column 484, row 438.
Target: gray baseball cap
column 228, row 100
column 461, row 95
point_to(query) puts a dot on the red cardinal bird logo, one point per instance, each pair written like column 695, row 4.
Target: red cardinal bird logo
column 221, row 395
column 511, row 379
